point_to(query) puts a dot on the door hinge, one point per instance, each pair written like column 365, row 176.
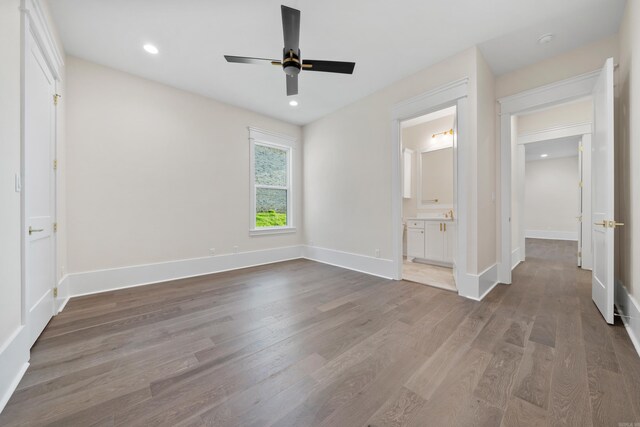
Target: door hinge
column 579, row 254
column 55, row 164
column 55, row 227
column 581, row 148
column 55, row 292
column 56, row 97
column 580, row 184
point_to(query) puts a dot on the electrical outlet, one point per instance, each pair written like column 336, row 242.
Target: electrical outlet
column 235, row 249
column 212, row 251
column 377, row 253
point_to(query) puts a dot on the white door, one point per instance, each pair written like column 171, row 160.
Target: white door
column 39, row 137
column 602, row 196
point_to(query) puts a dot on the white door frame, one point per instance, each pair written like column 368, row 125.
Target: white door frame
column 34, row 23
column 584, row 131
column 545, row 96
column 452, row 94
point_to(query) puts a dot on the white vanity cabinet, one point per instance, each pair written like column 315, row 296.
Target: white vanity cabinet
column 431, row 240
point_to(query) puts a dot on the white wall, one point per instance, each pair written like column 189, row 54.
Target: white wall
column 569, row 64
column 348, row 168
column 571, row 113
column 551, row 197
column 157, row 174
column 485, row 172
column 10, row 287
column 628, row 153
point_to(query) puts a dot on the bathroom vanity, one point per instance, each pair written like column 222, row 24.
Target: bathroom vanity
column 431, row 240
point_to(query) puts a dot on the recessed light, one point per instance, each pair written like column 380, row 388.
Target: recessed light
column 544, row 155
column 293, row 103
column 151, row 49
column 546, row 38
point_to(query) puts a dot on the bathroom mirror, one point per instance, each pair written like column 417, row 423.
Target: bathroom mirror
column 436, row 178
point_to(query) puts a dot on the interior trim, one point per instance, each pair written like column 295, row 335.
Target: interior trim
column 14, row 359
column 629, row 310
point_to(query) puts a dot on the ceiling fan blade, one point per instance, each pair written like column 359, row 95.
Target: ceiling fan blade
column 328, row 66
column 292, row 84
column 247, row 60
column 291, row 28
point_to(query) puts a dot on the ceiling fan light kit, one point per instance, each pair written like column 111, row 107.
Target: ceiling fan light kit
column 291, row 62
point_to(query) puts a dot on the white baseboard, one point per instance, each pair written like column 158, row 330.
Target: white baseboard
column 362, row 263
column 629, row 310
column 516, row 258
column 14, row 361
column 478, row 286
column 92, row 282
column 551, row 235
column 63, row 293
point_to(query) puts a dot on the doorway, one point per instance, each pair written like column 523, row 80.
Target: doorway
column 429, row 221
column 551, row 178
column 597, row 85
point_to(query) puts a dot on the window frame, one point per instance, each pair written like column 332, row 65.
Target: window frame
column 280, row 142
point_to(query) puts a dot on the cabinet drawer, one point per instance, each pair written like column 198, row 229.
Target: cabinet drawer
column 415, row 224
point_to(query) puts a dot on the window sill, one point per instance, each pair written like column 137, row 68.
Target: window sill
column 274, row 230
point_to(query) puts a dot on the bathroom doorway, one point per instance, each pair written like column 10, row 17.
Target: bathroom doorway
column 428, row 198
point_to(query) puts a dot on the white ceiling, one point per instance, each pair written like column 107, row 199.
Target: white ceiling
column 388, row 40
column 554, row 148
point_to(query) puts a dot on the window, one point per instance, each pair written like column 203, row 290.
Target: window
column 271, row 195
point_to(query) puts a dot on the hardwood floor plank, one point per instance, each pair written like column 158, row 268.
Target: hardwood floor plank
column 498, row 378
column 544, row 329
column 520, row 413
column 398, row 410
column 534, row 376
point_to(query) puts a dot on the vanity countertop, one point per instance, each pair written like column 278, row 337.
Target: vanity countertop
column 434, row 218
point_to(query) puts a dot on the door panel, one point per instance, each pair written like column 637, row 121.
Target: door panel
column 39, row 131
column 602, row 193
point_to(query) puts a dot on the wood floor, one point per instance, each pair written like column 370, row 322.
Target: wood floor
column 301, row 343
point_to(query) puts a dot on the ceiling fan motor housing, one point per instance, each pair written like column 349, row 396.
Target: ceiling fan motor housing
column 291, row 62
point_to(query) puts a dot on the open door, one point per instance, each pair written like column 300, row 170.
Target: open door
column 602, row 193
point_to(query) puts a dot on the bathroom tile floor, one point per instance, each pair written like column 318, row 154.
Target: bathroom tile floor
column 432, row 275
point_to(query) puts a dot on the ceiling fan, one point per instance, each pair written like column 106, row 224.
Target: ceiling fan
column 291, row 62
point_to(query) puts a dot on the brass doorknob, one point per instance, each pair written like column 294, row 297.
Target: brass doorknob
column 35, row 230
column 601, row 223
